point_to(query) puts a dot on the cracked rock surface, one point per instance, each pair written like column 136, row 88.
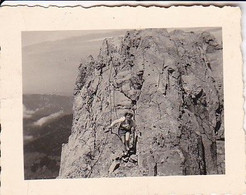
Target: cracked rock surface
column 172, row 82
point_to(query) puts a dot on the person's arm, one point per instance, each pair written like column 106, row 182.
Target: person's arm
column 117, row 121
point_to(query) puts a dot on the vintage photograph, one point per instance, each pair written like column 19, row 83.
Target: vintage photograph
column 123, row 103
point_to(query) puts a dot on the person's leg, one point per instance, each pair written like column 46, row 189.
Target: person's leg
column 127, row 140
column 123, row 139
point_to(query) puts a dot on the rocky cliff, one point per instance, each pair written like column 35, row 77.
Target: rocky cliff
column 172, row 82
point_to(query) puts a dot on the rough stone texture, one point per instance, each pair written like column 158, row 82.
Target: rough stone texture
column 173, row 83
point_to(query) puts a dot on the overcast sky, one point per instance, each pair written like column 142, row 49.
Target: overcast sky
column 51, row 58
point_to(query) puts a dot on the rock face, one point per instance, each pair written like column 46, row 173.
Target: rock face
column 173, row 84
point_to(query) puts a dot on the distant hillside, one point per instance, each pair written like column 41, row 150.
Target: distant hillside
column 52, row 136
column 38, row 107
column 41, row 105
column 42, row 154
column 47, row 125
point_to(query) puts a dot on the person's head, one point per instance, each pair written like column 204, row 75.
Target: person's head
column 128, row 115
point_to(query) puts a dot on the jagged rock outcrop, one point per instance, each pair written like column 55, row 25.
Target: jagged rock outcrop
column 172, row 81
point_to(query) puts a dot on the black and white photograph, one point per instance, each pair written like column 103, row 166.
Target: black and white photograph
column 122, row 100
column 123, row 103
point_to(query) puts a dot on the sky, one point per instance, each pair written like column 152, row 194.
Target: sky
column 50, row 59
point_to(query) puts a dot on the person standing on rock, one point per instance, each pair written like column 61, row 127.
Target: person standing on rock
column 126, row 127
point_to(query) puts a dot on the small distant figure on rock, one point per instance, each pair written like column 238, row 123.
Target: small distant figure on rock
column 126, row 127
